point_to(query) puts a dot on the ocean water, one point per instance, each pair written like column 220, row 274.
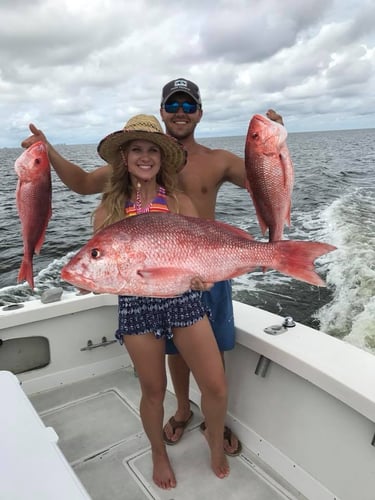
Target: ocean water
column 333, row 201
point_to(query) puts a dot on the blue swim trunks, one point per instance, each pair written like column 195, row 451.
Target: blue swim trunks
column 218, row 300
column 138, row 315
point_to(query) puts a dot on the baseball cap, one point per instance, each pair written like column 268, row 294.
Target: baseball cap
column 181, row 85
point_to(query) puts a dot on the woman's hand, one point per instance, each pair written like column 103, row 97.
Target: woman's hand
column 197, row 284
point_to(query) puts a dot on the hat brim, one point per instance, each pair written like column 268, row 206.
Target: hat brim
column 174, row 153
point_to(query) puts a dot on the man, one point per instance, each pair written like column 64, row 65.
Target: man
column 205, row 171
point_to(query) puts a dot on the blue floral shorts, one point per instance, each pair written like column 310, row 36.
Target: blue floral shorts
column 139, row 315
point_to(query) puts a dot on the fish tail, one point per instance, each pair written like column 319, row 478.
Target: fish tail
column 296, row 259
column 26, row 272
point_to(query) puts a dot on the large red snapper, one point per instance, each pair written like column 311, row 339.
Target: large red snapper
column 270, row 174
column 158, row 254
column 33, row 196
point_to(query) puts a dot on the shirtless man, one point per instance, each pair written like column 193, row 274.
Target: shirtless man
column 205, row 171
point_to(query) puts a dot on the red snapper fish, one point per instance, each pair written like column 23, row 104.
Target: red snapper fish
column 33, row 196
column 270, row 174
column 158, row 254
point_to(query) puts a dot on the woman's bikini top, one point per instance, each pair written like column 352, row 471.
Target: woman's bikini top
column 158, row 204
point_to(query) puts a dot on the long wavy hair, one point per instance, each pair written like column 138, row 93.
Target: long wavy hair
column 119, row 188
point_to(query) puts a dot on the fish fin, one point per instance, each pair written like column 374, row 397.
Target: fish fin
column 287, row 167
column 276, row 233
column 262, row 224
column 26, row 272
column 296, row 259
column 40, row 242
column 160, row 273
column 234, row 230
column 287, row 218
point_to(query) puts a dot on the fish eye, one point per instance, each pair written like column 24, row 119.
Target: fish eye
column 255, row 135
column 95, row 253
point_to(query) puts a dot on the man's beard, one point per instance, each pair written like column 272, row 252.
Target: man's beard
column 183, row 134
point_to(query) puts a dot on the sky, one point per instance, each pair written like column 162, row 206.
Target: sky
column 79, row 69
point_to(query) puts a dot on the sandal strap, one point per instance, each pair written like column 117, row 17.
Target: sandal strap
column 179, row 424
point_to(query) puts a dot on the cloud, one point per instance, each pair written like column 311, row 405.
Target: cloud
column 79, row 70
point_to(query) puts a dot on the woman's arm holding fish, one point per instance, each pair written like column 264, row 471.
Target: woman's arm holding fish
column 73, row 176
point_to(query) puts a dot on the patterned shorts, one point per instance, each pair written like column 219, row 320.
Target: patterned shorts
column 139, row 315
column 218, row 300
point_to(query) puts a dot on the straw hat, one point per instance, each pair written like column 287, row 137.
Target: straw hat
column 148, row 128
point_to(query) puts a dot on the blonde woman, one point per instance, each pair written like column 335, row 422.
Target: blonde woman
column 144, row 165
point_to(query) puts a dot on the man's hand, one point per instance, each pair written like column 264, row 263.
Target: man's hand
column 37, row 135
column 272, row 115
column 197, row 284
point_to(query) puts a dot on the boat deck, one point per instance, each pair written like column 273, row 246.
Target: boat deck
column 101, row 435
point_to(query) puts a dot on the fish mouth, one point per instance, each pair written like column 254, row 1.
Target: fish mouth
column 77, row 279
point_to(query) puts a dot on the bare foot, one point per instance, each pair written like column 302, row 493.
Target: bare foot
column 232, row 445
column 219, row 462
column 163, row 474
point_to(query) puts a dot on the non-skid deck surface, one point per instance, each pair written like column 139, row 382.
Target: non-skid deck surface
column 101, row 435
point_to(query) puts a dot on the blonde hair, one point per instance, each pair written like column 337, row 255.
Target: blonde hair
column 119, row 188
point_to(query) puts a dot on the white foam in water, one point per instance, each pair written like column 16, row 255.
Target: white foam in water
column 351, row 272
column 48, row 277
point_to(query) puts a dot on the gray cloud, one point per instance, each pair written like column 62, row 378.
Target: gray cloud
column 80, row 70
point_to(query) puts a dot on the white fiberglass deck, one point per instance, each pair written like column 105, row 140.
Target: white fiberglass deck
column 101, row 435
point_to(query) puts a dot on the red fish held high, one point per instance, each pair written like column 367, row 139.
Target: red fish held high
column 270, row 174
column 33, row 196
column 158, row 255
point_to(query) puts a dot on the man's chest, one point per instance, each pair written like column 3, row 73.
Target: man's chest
column 200, row 181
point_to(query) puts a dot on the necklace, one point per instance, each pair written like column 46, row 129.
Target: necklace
column 138, row 202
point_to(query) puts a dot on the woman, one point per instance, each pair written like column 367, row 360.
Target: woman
column 145, row 163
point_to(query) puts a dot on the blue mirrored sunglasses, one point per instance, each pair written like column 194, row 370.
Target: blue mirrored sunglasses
column 187, row 107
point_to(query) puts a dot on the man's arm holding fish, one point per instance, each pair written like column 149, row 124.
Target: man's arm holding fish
column 73, row 176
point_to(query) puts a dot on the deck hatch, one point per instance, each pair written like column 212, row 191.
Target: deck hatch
column 24, row 354
column 92, row 425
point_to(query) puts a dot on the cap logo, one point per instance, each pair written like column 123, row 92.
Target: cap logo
column 181, row 83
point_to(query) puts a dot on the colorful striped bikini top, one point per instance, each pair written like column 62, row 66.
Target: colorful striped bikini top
column 158, row 204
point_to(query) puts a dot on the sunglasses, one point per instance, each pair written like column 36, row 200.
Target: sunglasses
column 187, row 107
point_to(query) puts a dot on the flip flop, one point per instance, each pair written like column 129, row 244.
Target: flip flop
column 228, row 437
column 176, row 424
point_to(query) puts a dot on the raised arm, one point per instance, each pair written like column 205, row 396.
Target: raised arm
column 73, row 176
